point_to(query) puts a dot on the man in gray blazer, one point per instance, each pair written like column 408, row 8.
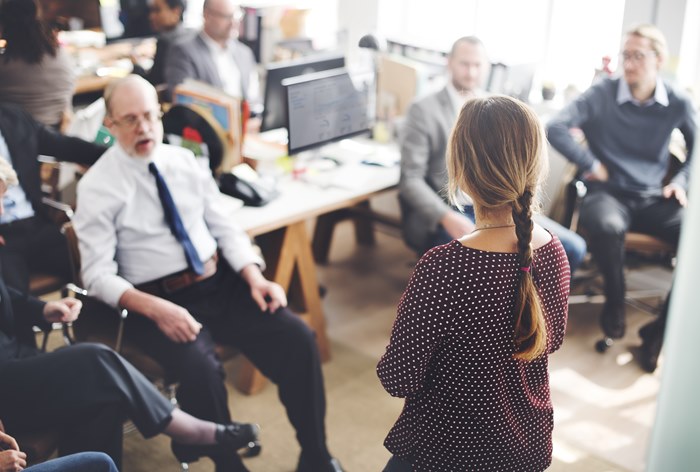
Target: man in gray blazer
column 427, row 219
column 215, row 56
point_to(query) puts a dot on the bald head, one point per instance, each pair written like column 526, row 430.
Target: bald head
column 133, row 115
column 132, row 81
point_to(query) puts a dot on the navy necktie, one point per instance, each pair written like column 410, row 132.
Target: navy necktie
column 173, row 218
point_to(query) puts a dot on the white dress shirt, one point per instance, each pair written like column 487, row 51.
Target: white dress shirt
column 624, row 94
column 123, row 237
column 460, row 98
column 226, row 66
column 230, row 73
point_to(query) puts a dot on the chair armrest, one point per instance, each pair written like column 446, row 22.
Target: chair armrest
column 59, row 212
column 99, row 322
column 576, row 191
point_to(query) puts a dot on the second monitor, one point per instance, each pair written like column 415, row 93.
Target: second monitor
column 274, row 112
column 328, row 106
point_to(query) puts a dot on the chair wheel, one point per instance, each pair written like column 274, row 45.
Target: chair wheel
column 253, row 449
column 604, row 344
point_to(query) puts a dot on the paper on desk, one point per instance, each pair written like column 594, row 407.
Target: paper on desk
column 348, row 177
column 255, row 148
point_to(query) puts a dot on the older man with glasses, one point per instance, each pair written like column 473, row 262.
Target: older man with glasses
column 627, row 122
column 155, row 239
column 215, row 55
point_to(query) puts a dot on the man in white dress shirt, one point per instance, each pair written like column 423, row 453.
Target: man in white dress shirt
column 131, row 259
column 215, row 55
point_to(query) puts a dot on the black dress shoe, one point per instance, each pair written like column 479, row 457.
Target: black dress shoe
column 230, row 437
column 332, row 465
column 649, row 350
column 612, row 320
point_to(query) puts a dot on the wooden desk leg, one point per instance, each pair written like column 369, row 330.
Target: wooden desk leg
column 361, row 215
column 323, row 234
column 289, row 253
column 249, row 380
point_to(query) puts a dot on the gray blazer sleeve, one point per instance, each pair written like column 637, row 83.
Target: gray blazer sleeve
column 179, row 65
column 417, row 147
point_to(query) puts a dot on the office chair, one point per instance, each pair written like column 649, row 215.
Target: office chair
column 635, row 243
column 42, row 283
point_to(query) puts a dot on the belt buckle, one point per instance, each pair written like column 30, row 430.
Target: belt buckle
column 174, row 284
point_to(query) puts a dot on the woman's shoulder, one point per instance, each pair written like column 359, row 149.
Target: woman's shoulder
column 540, row 237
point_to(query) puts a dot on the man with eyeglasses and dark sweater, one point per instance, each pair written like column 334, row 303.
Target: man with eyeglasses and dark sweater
column 627, row 122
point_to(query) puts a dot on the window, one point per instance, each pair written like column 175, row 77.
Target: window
column 566, row 38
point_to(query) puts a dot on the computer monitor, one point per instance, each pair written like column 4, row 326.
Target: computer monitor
column 514, row 80
column 123, row 19
column 274, row 112
column 328, row 106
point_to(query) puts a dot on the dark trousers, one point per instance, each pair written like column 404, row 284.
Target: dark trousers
column 606, row 217
column 279, row 344
column 85, row 392
column 33, row 245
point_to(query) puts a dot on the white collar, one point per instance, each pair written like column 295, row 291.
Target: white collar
column 624, row 94
column 458, row 98
column 214, row 46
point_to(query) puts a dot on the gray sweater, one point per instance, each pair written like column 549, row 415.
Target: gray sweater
column 630, row 140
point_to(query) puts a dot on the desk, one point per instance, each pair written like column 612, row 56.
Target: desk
column 111, row 61
column 280, row 230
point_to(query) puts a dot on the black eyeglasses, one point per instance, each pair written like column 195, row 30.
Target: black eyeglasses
column 132, row 121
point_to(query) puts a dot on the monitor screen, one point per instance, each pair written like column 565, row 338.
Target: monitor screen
column 122, row 19
column 274, row 112
column 328, row 106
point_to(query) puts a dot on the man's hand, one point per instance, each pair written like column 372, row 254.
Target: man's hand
column 173, row 320
column 456, row 225
column 268, row 295
column 12, row 459
column 599, row 173
column 62, row 311
column 677, row 192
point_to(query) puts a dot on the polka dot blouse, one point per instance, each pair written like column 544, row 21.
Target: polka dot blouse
column 470, row 406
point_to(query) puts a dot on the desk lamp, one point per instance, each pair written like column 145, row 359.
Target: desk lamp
column 377, row 46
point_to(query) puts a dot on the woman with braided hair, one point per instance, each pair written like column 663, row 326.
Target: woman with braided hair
column 481, row 314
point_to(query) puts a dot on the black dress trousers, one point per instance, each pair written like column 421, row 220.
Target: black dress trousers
column 85, row 391
column 280, row 344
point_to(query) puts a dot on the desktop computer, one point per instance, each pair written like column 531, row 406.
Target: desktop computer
column 328, row 106
column 274, row 113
